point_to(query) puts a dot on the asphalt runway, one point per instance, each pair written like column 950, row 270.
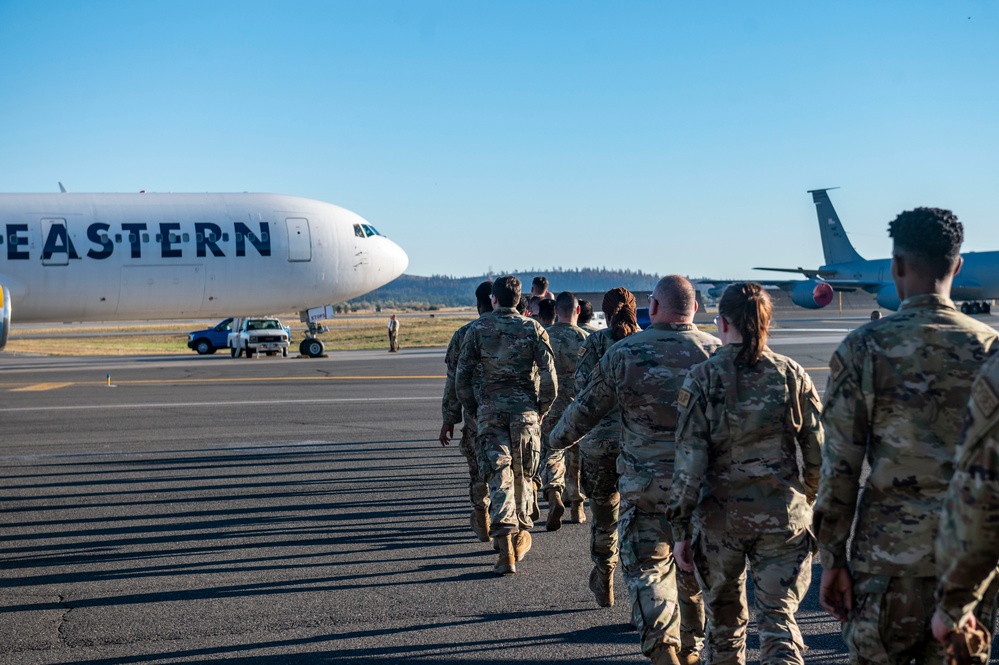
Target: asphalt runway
column 282, row 511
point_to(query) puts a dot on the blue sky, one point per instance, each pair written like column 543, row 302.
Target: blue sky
column 660, row 136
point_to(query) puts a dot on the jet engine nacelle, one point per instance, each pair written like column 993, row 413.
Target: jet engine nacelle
column 812, row 294
column 4, row 317
column 888, row 297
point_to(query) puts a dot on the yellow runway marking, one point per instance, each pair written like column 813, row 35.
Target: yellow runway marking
column 41, row 386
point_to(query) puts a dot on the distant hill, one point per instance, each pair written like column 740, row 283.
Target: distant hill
column 415, row 292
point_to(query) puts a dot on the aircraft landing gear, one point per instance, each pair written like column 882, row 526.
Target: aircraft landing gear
column 973, row 308
column 312, row 347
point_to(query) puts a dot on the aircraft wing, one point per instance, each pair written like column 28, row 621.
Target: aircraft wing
column 809, row 273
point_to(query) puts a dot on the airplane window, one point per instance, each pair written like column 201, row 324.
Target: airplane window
column 117, row 238
column 358, row 231
column 239, row 237
column 374, row 230
column 1, row 240
column 145, row 237
column 187, row 237
column 159, row 237
column 132, row 237
column 200, row 237
column 263, row 237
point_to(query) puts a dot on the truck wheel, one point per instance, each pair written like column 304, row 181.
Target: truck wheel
column 248, row 350
column 204, row 347
column 284, row 352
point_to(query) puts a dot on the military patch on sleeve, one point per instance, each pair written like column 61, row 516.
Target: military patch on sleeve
column 984, row 397
column 836, row 366
column 683, row 398
column 581, row 352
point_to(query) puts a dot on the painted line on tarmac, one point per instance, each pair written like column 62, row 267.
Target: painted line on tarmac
column 233, row 379
column 185, row 405
column 35, row 387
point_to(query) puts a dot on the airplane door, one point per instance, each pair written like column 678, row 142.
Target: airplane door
column 299, row 239
column 55, row 242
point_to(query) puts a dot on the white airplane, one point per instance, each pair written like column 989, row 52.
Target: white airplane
column 115, row 257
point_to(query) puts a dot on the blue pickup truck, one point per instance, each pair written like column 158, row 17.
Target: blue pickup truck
column 211, row 339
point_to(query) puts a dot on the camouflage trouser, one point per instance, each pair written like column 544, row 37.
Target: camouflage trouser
column 890, row 621
column 511, row 451
column 598, row 477
column 560, row 468
column 478, row 490
column 781, row 568
column 666, row 603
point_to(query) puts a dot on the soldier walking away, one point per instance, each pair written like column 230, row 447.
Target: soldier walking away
column 515, row 388
column 967, row 545
column 566, row 340
column 896, row 394
column 393, row 334
column 746, row 415
column 453, row 414
column 642, row 375
column 599, row 450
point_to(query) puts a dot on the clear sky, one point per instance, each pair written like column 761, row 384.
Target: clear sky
column 661, row 136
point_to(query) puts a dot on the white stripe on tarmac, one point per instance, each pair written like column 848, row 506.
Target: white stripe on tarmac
column 169, row 405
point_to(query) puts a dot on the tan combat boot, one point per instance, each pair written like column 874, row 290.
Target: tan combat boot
column 602, row 586
column 506, row 564
column 577, row 515
column 665, row 654
column 480, row 524
column 555, row 510
column 521, row 544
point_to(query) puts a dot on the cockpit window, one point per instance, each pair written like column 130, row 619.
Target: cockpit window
column 370, row 230
column 358, row 231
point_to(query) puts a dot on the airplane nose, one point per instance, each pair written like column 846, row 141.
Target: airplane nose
column 397, row 260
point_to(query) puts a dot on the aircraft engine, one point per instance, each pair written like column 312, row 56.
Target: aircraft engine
column 888, row 297
column 812, row 294
column 4, row 317
column 717, row 291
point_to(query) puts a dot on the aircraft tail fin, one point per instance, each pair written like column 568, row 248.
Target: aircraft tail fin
column 836, row 247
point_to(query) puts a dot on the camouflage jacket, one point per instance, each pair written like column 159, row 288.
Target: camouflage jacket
column 566, row 341
column 592, row 351
column 450, row 406
column 897, row 390
column 967, row 546
column 506, row 349
column 642, row 374
column 738, row 439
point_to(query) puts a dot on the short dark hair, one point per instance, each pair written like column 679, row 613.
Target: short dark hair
column 522, row 305
column 507, row 291
column 585, row 312
column 483, row 297
column 541, row 283
column 546, row 311
column 932, row 237
column 566, row 303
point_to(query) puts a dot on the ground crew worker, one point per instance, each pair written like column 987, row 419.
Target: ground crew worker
column 896, row 393
column 509, row 353
column 642, row 374
column 566, row 339
column 745, row 416
column 599, row 450
column 478, row 490
column 967, row 545
column 393, row 334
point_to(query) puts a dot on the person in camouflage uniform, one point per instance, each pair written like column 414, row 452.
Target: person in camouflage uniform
column 967, row 544
column 745, row 417
column 561, row 475
column 642, row 375
column 452, row 413
column 897, row 390
column 515, row 388
column 599, row 450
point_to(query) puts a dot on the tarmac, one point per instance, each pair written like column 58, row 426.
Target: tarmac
column 165, row 509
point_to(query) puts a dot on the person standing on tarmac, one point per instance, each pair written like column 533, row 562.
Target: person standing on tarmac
column 896, row 394
column 599, row 450
column 515, row 388
column 453, row 414
column 393, row 334
column 642, row 374
column 566, row 339
column 745, row 416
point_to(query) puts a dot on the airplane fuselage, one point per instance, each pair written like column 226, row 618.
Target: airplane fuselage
column 105, row 257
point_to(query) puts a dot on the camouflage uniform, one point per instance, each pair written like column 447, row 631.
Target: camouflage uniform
column 739, row 435
column 897, row 390
column 967, row 545
column 517, row 386
column 642, row 374
column 452, row 413
column 561, row 471
column 598, row 452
